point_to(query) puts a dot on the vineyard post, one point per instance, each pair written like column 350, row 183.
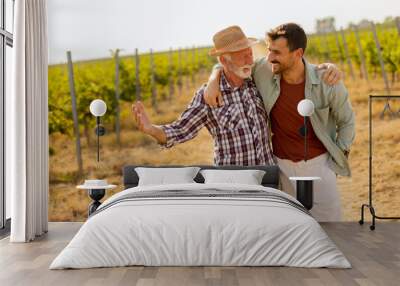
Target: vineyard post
column 171, row 76
column 208, row 57
column 137, row 77
column 74, row 113
column 339, row 49
column 378, row 48
column 198, row 60
column 180, row 71
column 153, row 82
column 117, row 110
column 203, row 54
column 361, row 53
column 187, row 77
column 397, row 20
column 324, row 37
column 194, row 66
column 346, row 52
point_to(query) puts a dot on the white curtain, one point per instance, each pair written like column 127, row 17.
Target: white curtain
column 27, row 123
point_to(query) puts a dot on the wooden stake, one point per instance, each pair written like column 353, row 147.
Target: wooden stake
column 364, row 70
column 137, row 77
column 378, row 48
column 171, row 77
column 74, row 113
column 117, row 110
column 346, row 52
column 153, row 82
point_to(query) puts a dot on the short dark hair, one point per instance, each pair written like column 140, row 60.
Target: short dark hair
column 293, row 33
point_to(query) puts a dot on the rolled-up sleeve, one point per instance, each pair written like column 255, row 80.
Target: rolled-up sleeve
column 188, row 125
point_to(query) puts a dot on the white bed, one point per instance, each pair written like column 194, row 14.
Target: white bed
column 184, row 230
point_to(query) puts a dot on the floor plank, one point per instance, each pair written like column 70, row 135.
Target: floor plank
column 374, row 255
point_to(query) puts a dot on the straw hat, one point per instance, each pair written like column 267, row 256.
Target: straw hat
column 231, row 39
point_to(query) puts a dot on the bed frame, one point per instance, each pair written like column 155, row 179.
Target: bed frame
column 270, row 179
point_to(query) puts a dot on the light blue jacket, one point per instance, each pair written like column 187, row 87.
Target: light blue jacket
column 333, row 120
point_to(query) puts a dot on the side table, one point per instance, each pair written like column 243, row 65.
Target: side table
column 96, row 191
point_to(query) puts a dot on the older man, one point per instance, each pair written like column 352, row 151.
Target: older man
column 284, row 78
column 239, row 128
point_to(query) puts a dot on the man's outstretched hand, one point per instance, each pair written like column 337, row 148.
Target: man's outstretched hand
column 141, row 118
column 144, row 124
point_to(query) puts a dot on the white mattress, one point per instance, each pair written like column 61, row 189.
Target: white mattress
column 200, row 231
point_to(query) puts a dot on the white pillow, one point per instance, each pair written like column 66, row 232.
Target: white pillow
column 163, row 176
column 248, row 177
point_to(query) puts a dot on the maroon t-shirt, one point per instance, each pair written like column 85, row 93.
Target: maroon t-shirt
column 287, row 141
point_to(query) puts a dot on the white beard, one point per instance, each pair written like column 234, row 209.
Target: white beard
column 241, row 71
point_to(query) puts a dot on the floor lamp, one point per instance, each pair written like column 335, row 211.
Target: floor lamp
column 304, row 185
column 98, row 108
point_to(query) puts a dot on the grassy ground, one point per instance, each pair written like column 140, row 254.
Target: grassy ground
column 66, row 203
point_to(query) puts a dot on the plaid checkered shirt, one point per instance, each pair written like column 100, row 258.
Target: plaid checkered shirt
column 240, row 128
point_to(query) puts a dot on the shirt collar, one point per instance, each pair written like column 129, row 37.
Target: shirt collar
column 225, row 86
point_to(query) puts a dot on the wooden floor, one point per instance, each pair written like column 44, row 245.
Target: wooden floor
column 374, row 255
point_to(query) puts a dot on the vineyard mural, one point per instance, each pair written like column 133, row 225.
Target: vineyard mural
column 368, row 54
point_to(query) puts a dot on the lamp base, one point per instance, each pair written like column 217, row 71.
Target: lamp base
column 96, row 195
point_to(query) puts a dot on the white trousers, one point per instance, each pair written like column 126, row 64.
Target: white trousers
column 326, row 206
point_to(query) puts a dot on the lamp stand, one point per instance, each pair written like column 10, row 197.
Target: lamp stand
column 305, row 139
column 98, row 137
column 100, row 131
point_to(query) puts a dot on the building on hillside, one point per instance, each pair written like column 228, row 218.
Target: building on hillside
column 325, row 25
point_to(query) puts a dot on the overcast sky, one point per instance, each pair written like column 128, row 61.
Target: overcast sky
column 89, row 28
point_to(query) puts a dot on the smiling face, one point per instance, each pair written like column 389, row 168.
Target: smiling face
column 280, row 56
column 286, row 45
column 239, row 63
